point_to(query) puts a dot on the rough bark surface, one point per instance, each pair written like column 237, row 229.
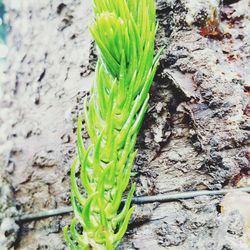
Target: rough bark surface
column 195, row 134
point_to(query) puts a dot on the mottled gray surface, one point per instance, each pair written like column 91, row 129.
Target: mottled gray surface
column 194, row 136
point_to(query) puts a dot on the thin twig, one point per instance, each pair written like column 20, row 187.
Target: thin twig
column 136, row 200
column 184, row 195
column 44, row 214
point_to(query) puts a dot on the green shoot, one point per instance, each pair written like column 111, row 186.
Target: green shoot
column 124, row 31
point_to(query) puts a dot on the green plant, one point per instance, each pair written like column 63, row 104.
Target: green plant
column 124, row 31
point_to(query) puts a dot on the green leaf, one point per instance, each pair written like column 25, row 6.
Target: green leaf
column 124, row 225
column 70, row 243
column 78, row 238
column 86, row 214
column 126, row 207
column 74, row 186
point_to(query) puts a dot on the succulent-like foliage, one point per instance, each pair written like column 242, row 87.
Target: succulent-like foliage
column 124, row 31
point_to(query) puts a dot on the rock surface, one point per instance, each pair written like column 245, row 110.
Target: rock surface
column 195, row 135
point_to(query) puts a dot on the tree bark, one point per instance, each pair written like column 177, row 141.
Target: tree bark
column 195, row 135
